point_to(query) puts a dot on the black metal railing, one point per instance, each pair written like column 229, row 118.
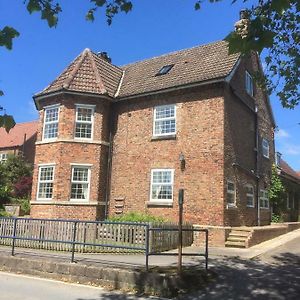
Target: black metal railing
column 112, row 235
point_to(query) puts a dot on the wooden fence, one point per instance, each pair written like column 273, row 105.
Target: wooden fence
column 58, row 235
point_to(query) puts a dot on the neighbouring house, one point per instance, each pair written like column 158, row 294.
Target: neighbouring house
column 290, row 211
column 114, row 139
column 20, row 140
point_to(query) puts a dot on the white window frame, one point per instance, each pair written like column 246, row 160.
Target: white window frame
column 264, row 198
column 249, row 84
column 55, row 106
column 167, row 184
column 85, row 106
column 41, row 166
column 231, row 192
column 163, row 119
column 88, row 182
column 265, row 147
column 3, row 157
column 248, row 185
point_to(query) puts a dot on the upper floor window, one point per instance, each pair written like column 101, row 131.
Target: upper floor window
column 80, row 182
column 45, row 182
column 51, row 122
column 164, row 120
column 84, row 121
column 230, row 198
column 249, row 195
column 249, row 84
column 264, row 199
column 265, row 148
column 162, row 185
column 3, row 157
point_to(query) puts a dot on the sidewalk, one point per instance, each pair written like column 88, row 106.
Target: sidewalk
column 132, row 261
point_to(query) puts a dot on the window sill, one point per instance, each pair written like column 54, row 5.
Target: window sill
column 164, row 137
column 232, row 206
column 250, row 206
column 265, row 208
column 160, row 203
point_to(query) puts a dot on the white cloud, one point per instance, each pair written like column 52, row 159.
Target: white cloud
column 292, row 149
column 281, row 134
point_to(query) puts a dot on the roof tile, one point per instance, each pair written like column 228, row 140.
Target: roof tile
column 16, row 135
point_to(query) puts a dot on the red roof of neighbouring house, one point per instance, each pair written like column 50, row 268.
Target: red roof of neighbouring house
column 16, row 135
column 287, row 169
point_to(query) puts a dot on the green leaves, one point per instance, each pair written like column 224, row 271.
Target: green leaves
column 49, row 11
column 7, row 34
column 112, row 8
column 7, row 122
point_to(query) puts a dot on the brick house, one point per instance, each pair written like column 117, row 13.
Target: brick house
column 291, row 181
column 117, row 139
column 19, row 141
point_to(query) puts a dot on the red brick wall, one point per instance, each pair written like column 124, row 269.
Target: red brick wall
column 200, row 130
column 66, row 151
column 240, row 137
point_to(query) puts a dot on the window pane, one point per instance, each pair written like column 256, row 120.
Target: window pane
column 46, row 174
column 51, row 130
column 162, row 192
column 45, row 190
column 230, row 198
column 79, row 191
column 84, row 114
column 165, row 112
column 230, row 186
column 162, row 177
column 80, row 174
column 51, row 114
column 83, row 130
column 167, row 126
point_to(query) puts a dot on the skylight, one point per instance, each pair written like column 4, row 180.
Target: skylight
column 164, row 70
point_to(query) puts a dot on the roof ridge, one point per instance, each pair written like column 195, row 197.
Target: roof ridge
column 99, row 81
column 171, row 53
column 73, row 73
column 33, row 121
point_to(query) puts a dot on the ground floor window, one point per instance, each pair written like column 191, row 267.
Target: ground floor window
column 230, row 198
column 162, row 181
column 45, row 182
column 264, row 199
column 250, row 195
column 80, row 182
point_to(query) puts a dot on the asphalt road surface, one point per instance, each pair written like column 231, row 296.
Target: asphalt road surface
column 19, row 287
column 272, row 276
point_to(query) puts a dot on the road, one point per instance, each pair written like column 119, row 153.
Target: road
column 272, row 276
column 19, row 287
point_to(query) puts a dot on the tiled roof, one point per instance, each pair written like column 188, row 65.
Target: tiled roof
column 16, row 135
column 91, row 73
column 285, row 167
column 192, row 65
column 87, row 73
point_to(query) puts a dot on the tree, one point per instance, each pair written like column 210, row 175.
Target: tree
column 273, row 25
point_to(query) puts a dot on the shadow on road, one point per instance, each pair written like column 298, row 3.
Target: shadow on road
column 244, row 279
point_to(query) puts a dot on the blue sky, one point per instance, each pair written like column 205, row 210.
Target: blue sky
column 152, row 28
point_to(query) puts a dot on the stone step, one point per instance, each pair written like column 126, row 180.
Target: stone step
column 235, row 239
column 242, row 229
column 235, row 244
column 240, row 233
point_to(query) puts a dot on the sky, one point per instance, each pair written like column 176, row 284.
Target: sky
column 153, row 28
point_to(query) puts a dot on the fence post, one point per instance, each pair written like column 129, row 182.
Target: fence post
column 147, row 247
column 14, row 237
column 73, row 241
column 206, row 249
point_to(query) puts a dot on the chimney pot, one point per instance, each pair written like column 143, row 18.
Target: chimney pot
column 105, row 56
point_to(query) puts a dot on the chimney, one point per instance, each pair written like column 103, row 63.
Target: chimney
column 242, row 26
column 104, row 56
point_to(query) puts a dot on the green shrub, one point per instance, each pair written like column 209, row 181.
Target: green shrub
column 24, row 204
column 276, row 218
column 137, row 217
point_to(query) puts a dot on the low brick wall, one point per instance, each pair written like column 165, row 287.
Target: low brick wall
column 264, row 233
column 217, row 235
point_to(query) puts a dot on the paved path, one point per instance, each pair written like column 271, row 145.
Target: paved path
column 19, row 287
column 274, row 275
